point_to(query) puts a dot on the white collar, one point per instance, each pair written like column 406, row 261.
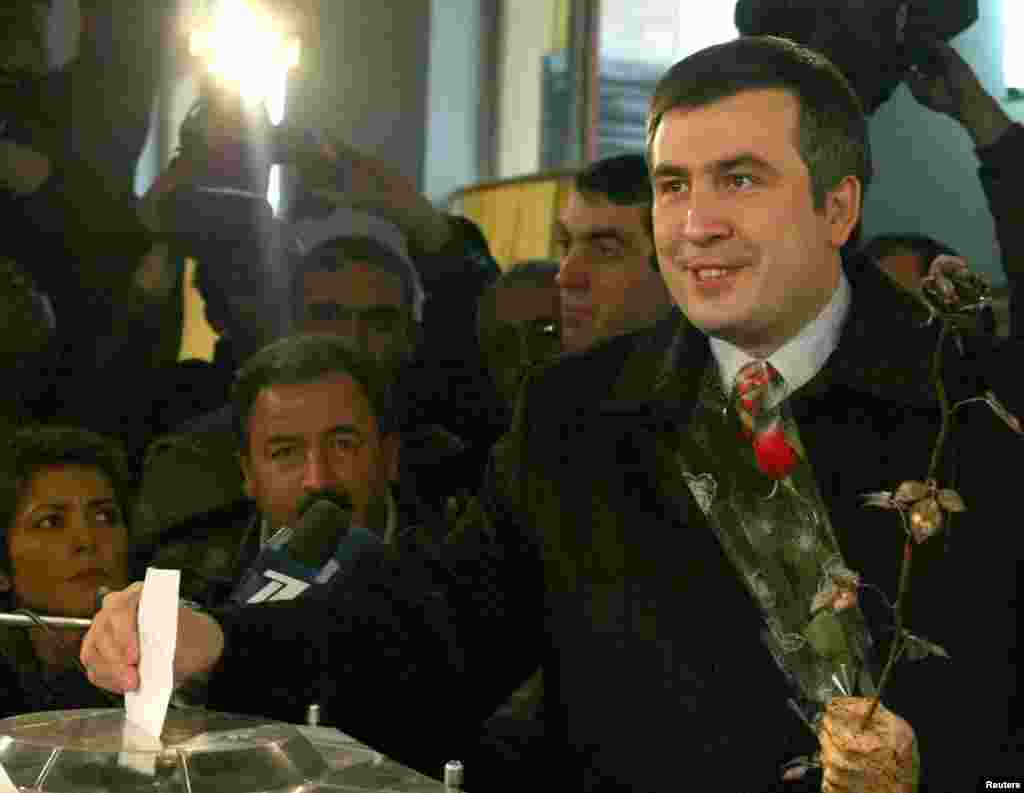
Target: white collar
column 800, row 358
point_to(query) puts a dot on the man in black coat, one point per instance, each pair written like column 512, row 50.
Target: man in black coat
column 629, row 540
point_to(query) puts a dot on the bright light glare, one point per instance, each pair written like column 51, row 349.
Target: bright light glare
column 1013, row 59
column 274, row 189
column 243, row 45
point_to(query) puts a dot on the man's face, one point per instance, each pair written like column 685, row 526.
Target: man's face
column 526, row 320
column 744, row 252
column 608, row 286
column 68, row 539
column 361, row 303
column 318, row 437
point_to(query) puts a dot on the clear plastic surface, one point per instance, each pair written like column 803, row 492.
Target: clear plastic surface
column 98, row 751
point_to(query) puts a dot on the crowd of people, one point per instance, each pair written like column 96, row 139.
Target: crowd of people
column 602, row 512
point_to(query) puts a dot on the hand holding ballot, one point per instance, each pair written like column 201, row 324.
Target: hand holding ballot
column 111, row 649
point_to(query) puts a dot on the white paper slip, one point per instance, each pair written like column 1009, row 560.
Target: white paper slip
column 158, row 635
column 6, row 785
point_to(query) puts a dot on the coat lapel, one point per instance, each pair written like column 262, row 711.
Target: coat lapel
column 653, row 398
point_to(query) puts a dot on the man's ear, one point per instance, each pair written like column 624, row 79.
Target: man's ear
column 842, row 209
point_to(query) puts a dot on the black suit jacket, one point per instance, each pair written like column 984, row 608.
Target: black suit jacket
column 589, row 556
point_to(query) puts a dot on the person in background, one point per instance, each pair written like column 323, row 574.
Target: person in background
column 64, row 493
column 518, row 323
column 951, row 88
column 608, row 273
column 66, row 195
column 27, row 326
column 314, row 418
column 682, row 600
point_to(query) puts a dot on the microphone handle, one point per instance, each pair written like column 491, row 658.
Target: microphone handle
column 24, row 621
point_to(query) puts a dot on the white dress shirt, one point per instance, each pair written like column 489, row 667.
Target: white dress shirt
column 800, row 358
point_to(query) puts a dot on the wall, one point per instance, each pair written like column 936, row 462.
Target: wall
column 926, row 167
column 527, row 30
column 453, row 98
column 369, row 84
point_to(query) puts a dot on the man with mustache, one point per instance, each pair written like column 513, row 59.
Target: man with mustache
column 634, row 543
column 314, row 420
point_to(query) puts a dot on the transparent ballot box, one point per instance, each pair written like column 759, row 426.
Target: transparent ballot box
column 99, row 751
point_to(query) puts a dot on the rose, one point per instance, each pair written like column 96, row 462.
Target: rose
column 775, row 455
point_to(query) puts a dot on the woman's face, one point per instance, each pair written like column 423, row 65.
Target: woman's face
column 68, row 539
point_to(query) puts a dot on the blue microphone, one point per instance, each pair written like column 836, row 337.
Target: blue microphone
column 297, row 560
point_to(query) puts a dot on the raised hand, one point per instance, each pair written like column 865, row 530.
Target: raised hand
column 955, row 90
column 110, row 650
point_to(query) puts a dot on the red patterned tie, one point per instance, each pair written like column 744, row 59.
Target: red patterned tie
column 758, row 394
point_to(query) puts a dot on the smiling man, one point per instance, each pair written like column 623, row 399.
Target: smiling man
column 314, row 419
column 683, row 605
column 607, row 274
column 749, row 250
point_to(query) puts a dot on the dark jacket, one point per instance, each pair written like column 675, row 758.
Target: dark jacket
column 214, row 549
column 25, row 687
column 595, row 562
column 1002, row 166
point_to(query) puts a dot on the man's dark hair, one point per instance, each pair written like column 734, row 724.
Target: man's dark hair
column 924, row 247
column 33, row 448
column 338, row 253
column 540, row 272
column 833, row 132
column 307, row 358
column 623, row 179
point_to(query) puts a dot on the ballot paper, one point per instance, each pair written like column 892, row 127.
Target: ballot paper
column 158, row 633
column 6, row 785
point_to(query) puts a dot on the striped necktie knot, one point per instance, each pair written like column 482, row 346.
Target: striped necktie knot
column 758, row 393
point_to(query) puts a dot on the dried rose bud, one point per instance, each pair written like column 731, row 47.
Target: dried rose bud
column 925, row 519
column 847, row 598
column 950, row 501
column 910, row 491
column 952, row 288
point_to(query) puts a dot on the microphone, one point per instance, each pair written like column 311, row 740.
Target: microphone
column 22, row 620
column 309, row 556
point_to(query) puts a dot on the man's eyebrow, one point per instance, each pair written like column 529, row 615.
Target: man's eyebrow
column 605, row 233
column 337, row 429
column 282, row 437
column 344, row 429
column 594, row 234
column 742, row 160
column 667, row 169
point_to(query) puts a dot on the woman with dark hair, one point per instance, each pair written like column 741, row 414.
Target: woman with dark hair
column 63, row 498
